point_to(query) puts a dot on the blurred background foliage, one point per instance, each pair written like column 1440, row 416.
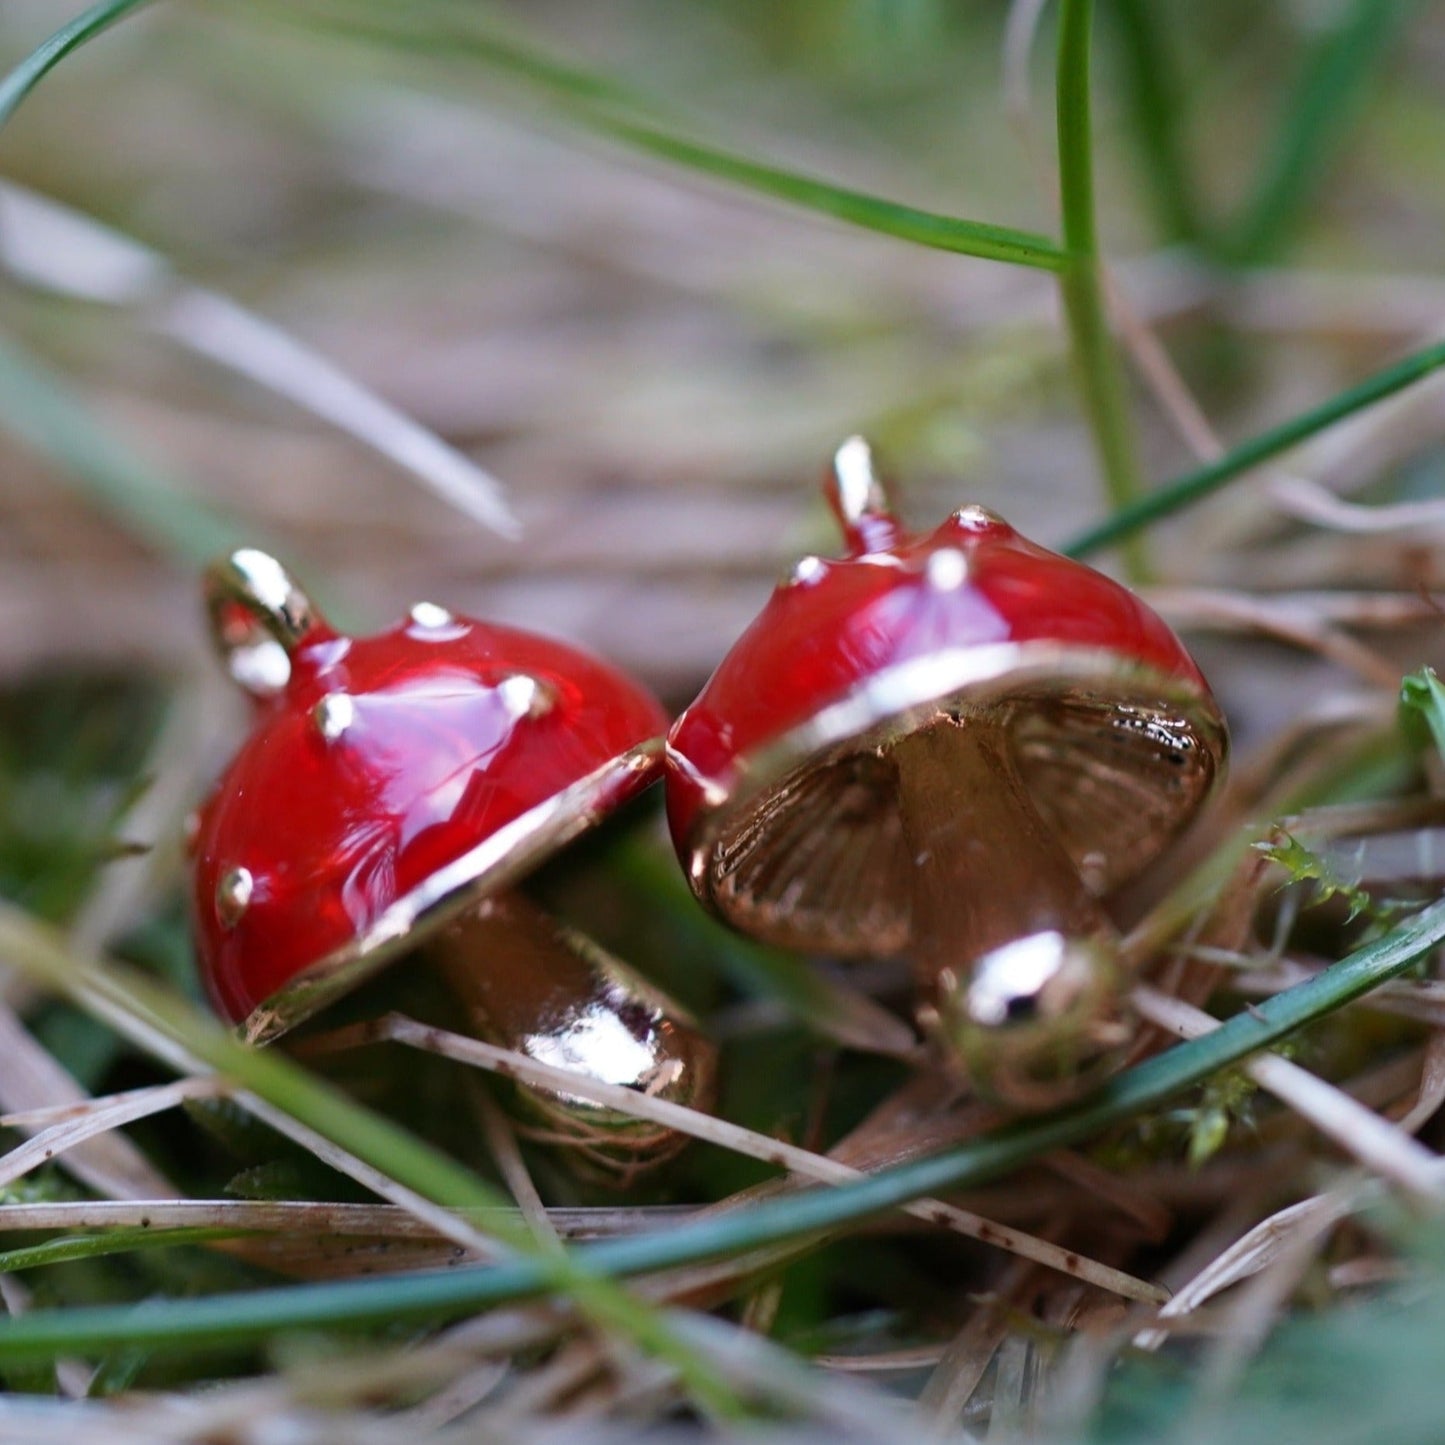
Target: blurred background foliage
column 655, row 365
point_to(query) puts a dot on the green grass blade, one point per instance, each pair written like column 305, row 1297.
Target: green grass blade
column 610, row 109
column 21, row 80
column 1096, row 360
column 1315, row 123
column 233, row 1320
column 121, row 993
column 871, row 213
column 1152, row 97
column 1196, row 485
column 438, row 29
column 43, row 412
column 113, row 1241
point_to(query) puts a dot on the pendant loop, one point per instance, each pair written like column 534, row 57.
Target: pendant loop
column 858, row 499
column 259, row 616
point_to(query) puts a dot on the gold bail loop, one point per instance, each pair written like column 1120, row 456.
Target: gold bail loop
column 859, row 500
column 259, row 616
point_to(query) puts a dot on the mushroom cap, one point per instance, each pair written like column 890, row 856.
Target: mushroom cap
column 390, row 782
column 781, row 785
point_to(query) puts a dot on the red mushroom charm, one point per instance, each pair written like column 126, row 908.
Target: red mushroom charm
column 948, row 745
column 392, row 792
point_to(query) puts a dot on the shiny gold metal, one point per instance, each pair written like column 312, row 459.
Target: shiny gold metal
column 807, row 848
column 526, row 696
column 970, row 809
column 258, row 617
column 528, row 984
column 233, row 895
column 333, row 715
column 1036, row 1021
column 977, row 517
column 853, row 486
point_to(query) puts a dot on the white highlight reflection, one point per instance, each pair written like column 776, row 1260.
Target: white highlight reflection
column 596, row 1043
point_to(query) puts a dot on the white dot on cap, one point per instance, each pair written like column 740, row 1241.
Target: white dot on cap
column 947, row 569
column 428, row 614
column 524, row 696
column 806, row 570
column 333, row 715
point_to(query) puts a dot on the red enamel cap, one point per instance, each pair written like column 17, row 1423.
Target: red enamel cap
column 783, row 775
column 388, row 783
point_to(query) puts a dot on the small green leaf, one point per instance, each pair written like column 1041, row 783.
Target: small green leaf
column 1303, row 865
column 1207, row 1135
column 1422, row 710
column 289, row 1178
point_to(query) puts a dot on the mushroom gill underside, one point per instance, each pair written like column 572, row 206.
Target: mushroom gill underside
column 817, row 860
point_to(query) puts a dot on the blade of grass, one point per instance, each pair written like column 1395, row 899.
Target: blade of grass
column 1096, row 361
column 113, row 1241
column 597, row 104
column 23, row 78
column 804, row 1163
column 872, row 213
column 1315, row 122
column 1372, row 1139
column 435, row 27
column 118, row 994
column 1152, row 96
column 228, row 1320
column 1200, row 483
column 300, row 1219
column 40, row 409
column 98, row 1118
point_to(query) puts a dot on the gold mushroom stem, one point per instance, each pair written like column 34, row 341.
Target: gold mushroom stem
column 529, row 984
column 1014, row 954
